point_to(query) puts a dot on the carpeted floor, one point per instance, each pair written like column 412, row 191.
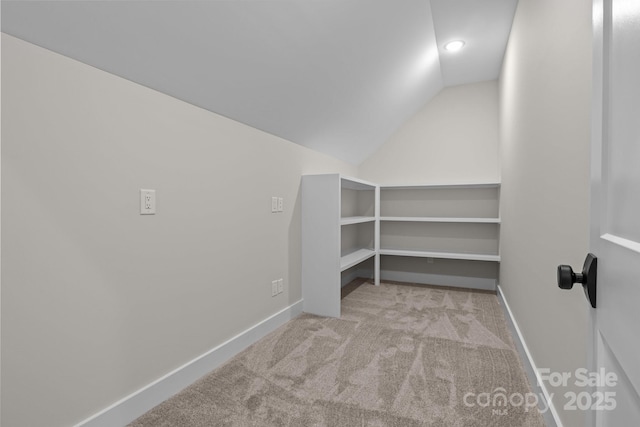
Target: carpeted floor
column 399, row 356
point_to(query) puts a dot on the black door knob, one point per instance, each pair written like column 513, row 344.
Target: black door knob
column 566, row 277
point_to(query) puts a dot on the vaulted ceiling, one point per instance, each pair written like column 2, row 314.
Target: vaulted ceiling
column 337, row 76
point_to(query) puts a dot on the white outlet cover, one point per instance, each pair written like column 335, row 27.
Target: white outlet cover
column 274, row 288
column 280, row 204
column 280, row 286
column 147, row 202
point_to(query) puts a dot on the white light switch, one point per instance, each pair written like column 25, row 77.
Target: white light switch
column 280, row 204
column 147, row 202
column 274, row 204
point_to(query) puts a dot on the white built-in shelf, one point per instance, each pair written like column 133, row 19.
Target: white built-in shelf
column 345, row 221
column 356, row 220
column 443, row 255
column 440, row 186
column 355, row 258
column 356, row 184
column 441, row 219
column 340, row 217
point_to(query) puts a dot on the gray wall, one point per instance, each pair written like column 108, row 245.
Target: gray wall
column 97, row 300
column 454, row 138
column 544, row 145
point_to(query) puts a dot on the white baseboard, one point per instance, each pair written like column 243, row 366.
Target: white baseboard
column 440, row 280
column 136, row 404
column 532, row 369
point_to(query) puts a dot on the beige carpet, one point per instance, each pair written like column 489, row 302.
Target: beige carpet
column 398, row 356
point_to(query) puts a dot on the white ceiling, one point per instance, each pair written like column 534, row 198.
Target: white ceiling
column 337, row 76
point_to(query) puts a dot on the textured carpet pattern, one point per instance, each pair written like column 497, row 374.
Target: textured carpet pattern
column 398, row 356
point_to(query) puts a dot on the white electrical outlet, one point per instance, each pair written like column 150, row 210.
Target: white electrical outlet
column 280, row 286
column 280, row 204
column 274, row 288
column 147, row 202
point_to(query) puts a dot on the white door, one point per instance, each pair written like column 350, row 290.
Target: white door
column 615, row 215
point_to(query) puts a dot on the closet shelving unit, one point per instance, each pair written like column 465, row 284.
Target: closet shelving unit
column 446, row 222
column 354, row 228
column 340, row 222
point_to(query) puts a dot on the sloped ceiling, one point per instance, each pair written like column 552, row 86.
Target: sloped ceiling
column 337, row 76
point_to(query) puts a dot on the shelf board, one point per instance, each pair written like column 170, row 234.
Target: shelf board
column 441, row 219
column 438, row 186
column 444, row 255
column 356, row 184
column 356, row 257
column 356, row 219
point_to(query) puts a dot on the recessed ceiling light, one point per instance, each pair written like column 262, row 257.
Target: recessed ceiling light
column 454, row 46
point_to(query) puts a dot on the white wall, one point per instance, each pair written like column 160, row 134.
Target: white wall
column 545, row 131
column 97, row 300
column 454, row 138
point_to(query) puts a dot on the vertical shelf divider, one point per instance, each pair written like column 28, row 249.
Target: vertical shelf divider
column 376, row 274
